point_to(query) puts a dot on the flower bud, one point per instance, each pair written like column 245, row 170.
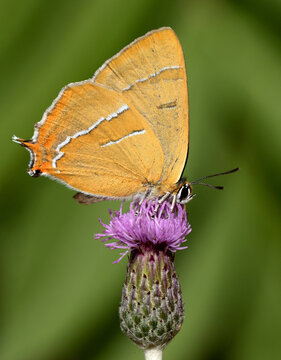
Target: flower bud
column 151, row 310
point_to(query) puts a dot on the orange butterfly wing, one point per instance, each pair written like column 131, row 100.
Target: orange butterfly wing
column 151, row 74
column 93, row 141
column 123, row 131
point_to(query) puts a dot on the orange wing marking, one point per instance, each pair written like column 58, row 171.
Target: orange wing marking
column 138, row 132
column 176, row 67
column 122, row 109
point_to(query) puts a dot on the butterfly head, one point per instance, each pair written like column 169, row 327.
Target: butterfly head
column 185, row 193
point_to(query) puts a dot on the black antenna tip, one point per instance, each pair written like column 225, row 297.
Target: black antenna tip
column 210, row 176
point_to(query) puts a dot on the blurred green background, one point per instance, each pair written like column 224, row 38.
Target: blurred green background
column 59, row 289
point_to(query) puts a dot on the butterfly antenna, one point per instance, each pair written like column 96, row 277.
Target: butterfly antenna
column 210, row 176
column 211, row 186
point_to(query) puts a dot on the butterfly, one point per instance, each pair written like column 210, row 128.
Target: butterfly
column 124, row 133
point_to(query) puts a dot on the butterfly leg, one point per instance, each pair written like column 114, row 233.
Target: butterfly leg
column 143, row 197
column 173, row 202
column 160, row 201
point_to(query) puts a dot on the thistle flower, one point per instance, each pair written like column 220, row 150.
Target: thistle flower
column 151, row 309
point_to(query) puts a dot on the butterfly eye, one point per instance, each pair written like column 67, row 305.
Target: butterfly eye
column 184, row 194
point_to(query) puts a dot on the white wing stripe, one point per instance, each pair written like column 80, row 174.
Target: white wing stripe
column 151, row 76
column 138, row 132
column 122, row 109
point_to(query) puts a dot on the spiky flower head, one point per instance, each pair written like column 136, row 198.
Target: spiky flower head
column 143, row 229
column 151, row 309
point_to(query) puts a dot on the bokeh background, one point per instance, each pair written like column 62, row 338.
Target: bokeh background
column 59, row 289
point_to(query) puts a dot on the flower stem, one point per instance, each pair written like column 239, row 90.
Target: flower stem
column 153, row 354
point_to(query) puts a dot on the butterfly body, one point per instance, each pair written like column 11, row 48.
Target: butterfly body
column 124, row 133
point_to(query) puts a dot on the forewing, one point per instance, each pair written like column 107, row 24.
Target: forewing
column 150, row 73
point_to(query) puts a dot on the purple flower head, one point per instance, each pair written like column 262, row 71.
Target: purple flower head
column 143, row 231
